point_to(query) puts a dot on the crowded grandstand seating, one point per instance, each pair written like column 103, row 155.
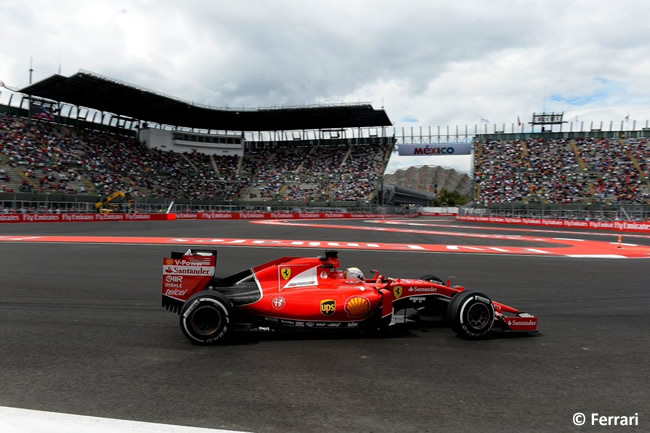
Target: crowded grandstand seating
column 40, row 156
column 43, row 157
column 562, row 171
column 339, row 172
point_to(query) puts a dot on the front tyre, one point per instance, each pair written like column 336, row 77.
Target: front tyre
column 471, row 314
column 432, row 278
column 205, row 317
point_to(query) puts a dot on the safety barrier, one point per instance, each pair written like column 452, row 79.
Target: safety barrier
column 626, row 226
column 72, row 217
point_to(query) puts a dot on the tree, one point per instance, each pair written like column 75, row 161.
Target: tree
column 453, row 198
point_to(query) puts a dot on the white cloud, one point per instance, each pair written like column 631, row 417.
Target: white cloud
column 437, row 63
column 459, row 163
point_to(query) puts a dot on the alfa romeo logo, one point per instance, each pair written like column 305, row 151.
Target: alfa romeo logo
column 278, row 302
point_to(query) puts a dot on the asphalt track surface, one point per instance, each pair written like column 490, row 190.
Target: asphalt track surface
column 82, row 332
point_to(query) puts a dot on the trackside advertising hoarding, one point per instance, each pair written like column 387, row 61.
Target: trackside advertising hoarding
column 626, row 226
column 288, row 215
column 438, row 149
column 59, row 218
column 75, row 217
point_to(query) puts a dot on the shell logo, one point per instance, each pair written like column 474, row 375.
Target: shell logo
column 169, row 261
column 357, row 306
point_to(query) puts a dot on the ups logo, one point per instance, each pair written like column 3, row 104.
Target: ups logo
column 328, row 307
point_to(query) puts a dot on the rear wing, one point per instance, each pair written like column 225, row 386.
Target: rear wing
column 184, row 274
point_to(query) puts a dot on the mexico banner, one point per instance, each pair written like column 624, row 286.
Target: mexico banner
column 435, row 149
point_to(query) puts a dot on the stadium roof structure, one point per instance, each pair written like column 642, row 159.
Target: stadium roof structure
column 89, row 90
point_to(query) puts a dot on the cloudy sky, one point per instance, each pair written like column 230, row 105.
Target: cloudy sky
column 428, row 63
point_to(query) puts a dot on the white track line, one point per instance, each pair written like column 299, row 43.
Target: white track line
column 13, row 420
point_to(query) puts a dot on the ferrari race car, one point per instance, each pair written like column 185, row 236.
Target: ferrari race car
column 313, row 293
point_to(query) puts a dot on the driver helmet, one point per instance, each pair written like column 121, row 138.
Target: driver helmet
column 354, row 273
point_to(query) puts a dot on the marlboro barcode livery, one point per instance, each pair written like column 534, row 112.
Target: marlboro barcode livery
column 314, row 293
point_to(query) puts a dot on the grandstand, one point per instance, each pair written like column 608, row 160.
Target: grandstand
column 153, row 150
column 66, row 142
column 603, row 175
column 42, row 157
column 563, row 170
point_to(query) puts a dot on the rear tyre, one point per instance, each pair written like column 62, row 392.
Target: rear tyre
column 471, row 314
column 205, row 317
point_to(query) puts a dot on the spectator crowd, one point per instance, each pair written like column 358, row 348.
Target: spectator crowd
column 560, row 171
column 40, row 156
column 49, row 158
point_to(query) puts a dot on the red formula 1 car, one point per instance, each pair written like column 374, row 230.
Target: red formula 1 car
column 312, row 293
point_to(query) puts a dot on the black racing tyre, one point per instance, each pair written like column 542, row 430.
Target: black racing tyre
column 471, row 314
column 432, row 278
column 205, row 317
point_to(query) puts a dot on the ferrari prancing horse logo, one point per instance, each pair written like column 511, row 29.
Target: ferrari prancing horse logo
column 286, row 273
column 397, row 291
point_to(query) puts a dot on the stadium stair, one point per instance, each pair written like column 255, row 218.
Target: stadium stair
column 299, row 169
column 185, row 157
column 345, row 158
column 576, row 151
column 214, row 164
column 240, row 163
column 524, row 150
column 524, row 154
column 636, row 164
column 15, row 177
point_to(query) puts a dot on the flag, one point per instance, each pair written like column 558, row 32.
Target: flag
column 484, row 120
column 41, row 110
column 518, row 121
column 627, row 118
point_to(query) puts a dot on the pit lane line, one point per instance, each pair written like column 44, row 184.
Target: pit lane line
column 14, row 420
column 561, row 247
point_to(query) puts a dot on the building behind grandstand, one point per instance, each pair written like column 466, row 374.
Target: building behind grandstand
column 431, row 179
